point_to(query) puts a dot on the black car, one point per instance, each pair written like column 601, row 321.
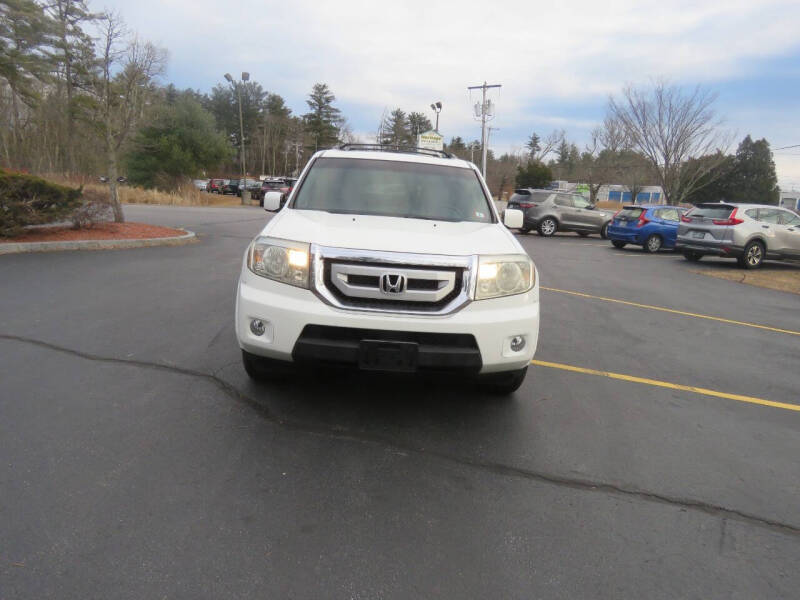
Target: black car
column 230, row 186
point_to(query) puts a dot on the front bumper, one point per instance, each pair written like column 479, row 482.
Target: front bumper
column 287, row 311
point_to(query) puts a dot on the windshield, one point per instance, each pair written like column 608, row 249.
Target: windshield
column 720, row 211
column 394, row 189
column 630, row 213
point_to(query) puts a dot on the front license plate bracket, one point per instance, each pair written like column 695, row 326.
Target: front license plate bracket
column 381, row 355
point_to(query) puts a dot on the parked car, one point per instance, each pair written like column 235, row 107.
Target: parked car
column 268, row 185
column 201, row 184
column 231, row 186
column 235, row 186
column 651, row 226
column 549, row 211
column 366, row 268
column 749, row 233
column 215, row 185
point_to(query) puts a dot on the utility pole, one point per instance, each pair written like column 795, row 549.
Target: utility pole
column 485, row 110
column 237, row 85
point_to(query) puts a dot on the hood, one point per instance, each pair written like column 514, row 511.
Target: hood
column 392, row 234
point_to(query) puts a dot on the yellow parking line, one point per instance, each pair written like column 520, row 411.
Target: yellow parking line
column 673, row 311
column 666, row 384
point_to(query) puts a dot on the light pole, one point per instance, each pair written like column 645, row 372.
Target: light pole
column 437, row 108
column 238, row 88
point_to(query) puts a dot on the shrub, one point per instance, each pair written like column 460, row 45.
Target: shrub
column 28, row 200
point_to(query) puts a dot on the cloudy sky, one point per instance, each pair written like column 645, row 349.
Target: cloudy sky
column 557, row 61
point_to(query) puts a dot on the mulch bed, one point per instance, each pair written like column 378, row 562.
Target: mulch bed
column 101, row 231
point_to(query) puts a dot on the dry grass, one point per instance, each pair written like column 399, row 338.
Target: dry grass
column 186, row 195
column 609, row 205
column 774, row 276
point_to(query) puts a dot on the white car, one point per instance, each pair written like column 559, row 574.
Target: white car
column 389, row 261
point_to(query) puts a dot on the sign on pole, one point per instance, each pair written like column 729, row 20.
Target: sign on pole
column 430, row 140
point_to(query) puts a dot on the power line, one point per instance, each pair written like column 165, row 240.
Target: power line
column 786, row 147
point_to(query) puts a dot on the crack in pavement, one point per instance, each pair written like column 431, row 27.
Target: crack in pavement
column 366, row 438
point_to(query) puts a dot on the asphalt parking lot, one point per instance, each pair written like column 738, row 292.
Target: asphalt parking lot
column 653, row 451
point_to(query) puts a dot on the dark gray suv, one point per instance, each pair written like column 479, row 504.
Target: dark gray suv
column 548, row 211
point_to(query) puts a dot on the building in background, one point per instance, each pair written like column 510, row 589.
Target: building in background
column 790, row 200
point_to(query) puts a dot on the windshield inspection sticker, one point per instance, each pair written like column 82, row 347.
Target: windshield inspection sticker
column 479, row 214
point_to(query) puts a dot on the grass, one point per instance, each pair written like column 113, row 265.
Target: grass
column 783, row 277
column 186, row 195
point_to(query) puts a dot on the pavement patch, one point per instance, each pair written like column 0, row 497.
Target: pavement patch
column 673, row 311
column 666, row 384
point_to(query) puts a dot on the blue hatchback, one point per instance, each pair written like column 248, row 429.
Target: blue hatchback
column 651, row 226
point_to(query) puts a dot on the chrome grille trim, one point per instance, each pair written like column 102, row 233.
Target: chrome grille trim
column 445, row 281
column 415, row 266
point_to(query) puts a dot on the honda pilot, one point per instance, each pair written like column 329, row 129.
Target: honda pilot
column 389, row 261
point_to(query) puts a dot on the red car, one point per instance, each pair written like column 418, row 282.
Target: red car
column 215, row 186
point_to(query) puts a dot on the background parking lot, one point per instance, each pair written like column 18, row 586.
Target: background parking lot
column 138, row 460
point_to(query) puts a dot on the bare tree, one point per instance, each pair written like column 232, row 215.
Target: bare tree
column 122, row 95
column 538, row 149
column 670, row 127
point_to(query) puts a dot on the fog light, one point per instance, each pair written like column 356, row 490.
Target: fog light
column 257, row 327
column 517, row 343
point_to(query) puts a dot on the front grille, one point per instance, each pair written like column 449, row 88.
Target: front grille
column 425, row 288
column 448, row 352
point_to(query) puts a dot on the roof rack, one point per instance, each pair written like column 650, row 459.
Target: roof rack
column 401, row 149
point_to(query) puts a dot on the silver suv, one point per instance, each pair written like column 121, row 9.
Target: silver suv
column 549, row 211
column 747, row 232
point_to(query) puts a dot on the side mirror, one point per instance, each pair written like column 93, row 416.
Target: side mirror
column 513, row 218
column 272, row 201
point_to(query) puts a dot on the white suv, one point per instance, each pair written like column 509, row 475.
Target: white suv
column 389, row 261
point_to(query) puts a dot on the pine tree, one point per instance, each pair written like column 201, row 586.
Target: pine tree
column 25, row 61
column 753, row 178
column 417, row 124
column 395, row 130
column 322, row 120
column 534, row 144
column 74, row 53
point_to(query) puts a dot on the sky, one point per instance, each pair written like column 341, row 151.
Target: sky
column 557, row 62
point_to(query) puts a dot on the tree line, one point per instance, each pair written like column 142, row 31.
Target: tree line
column 74, row 104
column 660, row 135
column 71, row 103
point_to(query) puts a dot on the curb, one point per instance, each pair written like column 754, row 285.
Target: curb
column 178, row 240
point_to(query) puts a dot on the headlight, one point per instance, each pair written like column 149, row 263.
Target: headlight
column 504, row 276
column 281, row 260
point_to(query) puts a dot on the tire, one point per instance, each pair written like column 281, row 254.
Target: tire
column 525, row 230
column 604, row 232
column 263, row 369
column 548, row 227
column 692, row 255
column 753, row 256
column 582, row 233
column 653, row 243
column 618, row 243
column 505, row 383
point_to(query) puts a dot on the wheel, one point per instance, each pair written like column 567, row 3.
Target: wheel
column 525, row 230
column 505, row 383
column 263, row 369
column 753, row 255
column 653, row 243
column 548, row 227
column 618, row 243
column 692, row 255
column 582, row 233
column 604, row 232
